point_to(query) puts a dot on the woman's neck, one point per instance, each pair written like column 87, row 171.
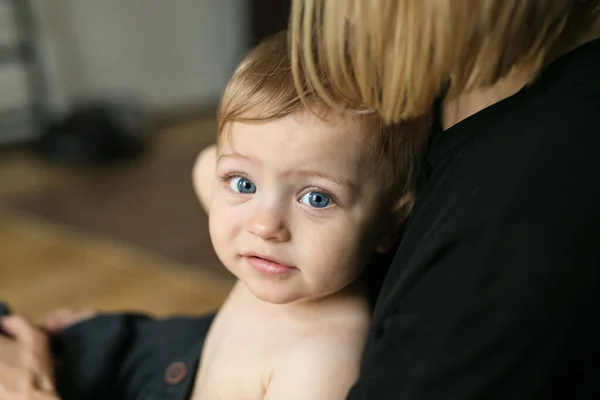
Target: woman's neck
column 467, row 104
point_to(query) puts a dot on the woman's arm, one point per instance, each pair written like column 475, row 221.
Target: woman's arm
column 203, row 175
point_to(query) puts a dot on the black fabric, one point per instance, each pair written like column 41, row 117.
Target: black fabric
column 494, row 290
column 126, row 357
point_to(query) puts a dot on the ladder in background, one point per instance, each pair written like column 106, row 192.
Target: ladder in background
column 22, row 123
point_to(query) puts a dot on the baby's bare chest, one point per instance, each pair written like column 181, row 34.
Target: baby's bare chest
column 238, row 359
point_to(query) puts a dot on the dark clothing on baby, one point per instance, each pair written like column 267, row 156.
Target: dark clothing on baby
column 129, row 357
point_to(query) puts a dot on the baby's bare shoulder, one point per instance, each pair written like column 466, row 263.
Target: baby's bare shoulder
column 322, row 367
column 324, row 361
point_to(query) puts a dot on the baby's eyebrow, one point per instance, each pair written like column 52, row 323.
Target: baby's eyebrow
column 235, row 155
column 319, row 174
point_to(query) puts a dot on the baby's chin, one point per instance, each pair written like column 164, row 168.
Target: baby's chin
column 286, row 296
column 274, row 295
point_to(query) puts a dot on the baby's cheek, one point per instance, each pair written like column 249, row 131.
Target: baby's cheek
column 226, row 224
column 223, row 243
column 337, row 257
column 218, row 228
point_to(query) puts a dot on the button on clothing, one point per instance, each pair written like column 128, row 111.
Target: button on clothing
column 176, row 373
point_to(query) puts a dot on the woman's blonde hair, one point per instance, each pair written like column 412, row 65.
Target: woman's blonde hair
column 263, row 89
column 397, row 56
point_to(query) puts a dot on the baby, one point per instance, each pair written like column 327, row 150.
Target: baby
column 300, row 196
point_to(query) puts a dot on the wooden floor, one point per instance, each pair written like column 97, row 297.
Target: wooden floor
column 48, row 262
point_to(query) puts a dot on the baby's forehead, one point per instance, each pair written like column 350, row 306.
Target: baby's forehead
column 317, row 113
column 361, row 126
column 326, row 145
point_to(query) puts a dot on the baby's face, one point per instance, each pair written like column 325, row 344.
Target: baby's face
column 296, row 209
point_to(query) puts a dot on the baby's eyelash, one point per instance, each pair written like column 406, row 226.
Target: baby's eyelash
column 229, row 176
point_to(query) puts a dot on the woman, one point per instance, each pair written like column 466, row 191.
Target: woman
column 494, row 289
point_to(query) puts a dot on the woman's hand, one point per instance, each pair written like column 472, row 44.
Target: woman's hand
column 26, row 367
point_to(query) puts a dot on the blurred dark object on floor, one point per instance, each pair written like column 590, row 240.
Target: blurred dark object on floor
column 267, row 18
column 97, row 132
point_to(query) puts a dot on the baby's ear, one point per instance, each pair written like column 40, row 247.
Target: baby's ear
column 393, row 223
column 203, row 175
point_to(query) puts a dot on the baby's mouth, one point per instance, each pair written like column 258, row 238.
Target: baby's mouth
column 267, row 264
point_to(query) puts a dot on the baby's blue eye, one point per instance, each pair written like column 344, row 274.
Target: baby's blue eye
column 315, row 199
column 242, row 185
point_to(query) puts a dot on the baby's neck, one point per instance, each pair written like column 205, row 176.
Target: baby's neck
column 302, row 307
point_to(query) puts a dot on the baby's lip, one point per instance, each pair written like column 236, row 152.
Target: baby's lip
column 268, row 258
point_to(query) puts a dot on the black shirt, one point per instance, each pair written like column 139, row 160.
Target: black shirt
column 494, row 290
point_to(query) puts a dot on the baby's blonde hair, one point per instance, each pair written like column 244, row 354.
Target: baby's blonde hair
column 397, row 56
column 263, row 89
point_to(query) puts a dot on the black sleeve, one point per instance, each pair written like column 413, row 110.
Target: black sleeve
column 89, row 354
column 506, row 308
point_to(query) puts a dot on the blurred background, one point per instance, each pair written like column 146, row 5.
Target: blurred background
column 103, row 107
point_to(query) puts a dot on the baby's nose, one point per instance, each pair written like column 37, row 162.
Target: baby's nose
column 268, row 224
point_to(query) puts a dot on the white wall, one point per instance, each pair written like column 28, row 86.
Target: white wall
column 172, row 53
